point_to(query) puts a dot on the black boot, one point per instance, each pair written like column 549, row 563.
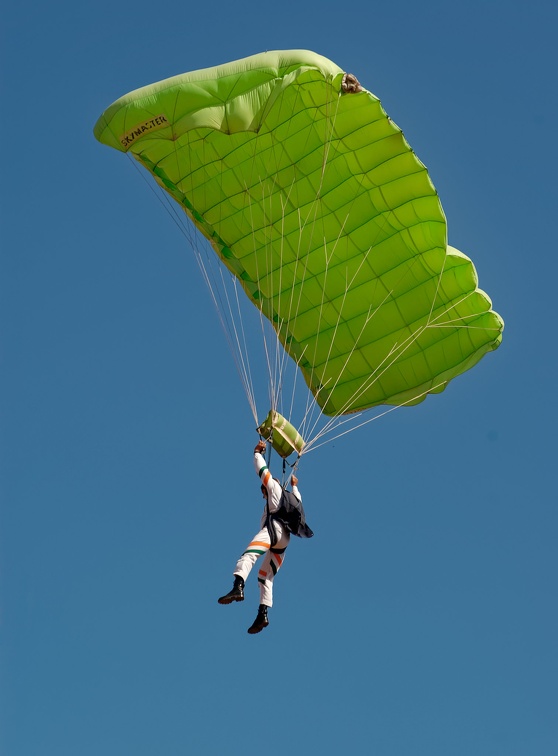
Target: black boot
column 260, row 622
column 237, row 593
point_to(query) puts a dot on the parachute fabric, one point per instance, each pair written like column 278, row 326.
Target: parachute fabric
column 313, row 199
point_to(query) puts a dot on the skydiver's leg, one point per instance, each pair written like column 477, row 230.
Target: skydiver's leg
column 271, row 565
column 259, row 545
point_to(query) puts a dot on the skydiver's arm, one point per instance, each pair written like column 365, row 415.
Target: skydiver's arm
column 261, row 468
column 294, row 487
column 273, row 488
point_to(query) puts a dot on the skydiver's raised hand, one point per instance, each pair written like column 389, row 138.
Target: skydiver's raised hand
column 294, row 480
column 260, row 447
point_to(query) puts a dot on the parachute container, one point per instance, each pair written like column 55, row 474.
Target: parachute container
column 283, row 436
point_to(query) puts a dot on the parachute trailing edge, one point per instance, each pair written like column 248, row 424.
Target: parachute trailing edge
column 312, row 197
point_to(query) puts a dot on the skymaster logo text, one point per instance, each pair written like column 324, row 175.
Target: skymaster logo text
column 138, row 131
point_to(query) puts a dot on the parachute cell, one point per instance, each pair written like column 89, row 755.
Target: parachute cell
column 313, row 199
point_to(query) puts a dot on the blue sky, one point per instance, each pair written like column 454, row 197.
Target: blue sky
column 422, row 617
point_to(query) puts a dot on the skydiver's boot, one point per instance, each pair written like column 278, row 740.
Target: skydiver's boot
column 237, row 592
column 260, row 622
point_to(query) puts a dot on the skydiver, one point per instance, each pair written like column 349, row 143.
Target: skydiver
column 261, row 545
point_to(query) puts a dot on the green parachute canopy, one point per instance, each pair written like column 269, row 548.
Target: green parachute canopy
column 313, row 199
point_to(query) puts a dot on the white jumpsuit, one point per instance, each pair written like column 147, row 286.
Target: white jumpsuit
column 261, row 542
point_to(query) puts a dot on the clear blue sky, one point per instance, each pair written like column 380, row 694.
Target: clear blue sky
column 422, row 618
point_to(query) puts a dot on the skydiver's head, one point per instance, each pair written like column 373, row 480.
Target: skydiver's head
column 264, row 491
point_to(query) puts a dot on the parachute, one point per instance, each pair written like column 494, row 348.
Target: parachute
column 312, row 198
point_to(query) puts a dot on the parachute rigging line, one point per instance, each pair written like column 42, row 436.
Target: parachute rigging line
column 276, row 358
column 218, row 290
